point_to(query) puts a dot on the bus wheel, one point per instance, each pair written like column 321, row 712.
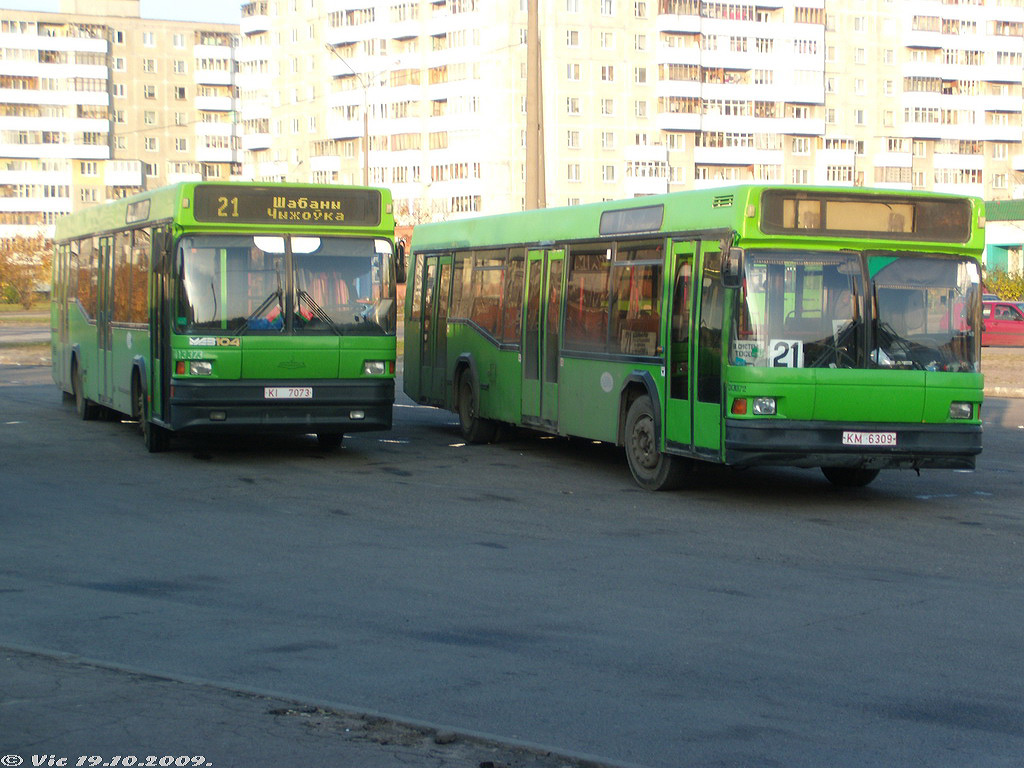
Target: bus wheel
column 329, row 441
column 474, row 429
column 154, row 437
column 87, row 410
column 848, row 477
column 652, row 469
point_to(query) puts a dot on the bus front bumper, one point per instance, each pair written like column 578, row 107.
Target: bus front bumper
column 336, row 405
column 820, row 444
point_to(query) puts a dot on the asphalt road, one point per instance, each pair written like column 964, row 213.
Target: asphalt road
column 530, row 590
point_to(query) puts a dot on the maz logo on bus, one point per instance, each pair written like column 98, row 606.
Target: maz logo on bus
column 786, row 353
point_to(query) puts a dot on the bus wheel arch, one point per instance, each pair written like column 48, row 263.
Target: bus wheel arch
column 467, row 404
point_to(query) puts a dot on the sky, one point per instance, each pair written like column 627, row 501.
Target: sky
column 221, row 11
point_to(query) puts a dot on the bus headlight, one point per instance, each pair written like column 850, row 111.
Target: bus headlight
column 960, row 410
column 194, row 368
column 374, row 367
column 764, row 406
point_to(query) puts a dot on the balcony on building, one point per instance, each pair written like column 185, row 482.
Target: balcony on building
column 214, row 103
column 256, row 141
column 255, row 17
column 123, row 173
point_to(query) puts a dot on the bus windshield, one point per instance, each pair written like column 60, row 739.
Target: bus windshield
column 271, row 284
column 803, row 309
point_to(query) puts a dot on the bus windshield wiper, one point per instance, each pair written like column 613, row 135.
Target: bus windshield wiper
column 318, row 311
column 267, row 302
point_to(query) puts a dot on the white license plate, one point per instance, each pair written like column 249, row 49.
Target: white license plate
column 869, row 438
column 287, row 393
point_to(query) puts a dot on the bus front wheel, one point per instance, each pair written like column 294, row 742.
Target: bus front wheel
column 474, row 429
column 849, row 477
column 156, row 438
column 652, row 469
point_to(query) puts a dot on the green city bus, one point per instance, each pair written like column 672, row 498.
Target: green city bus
column 747, row 326
column 229, row 307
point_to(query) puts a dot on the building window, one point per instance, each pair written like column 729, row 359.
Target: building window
column 800, row 176
column 608, row 73
column 607, row 7
column 181, row 145
column 607, row 107
column 801, row 145
column 572, row 139
column 149, row 91
column 572, row 71
column 608, row 173
column 152, row 144
column 149, row 39
column 572, row 105
column 149, row 65
column 572, row 38
column 573, row 172
column 607, row 140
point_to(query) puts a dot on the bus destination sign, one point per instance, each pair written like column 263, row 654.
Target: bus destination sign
column 287, row 205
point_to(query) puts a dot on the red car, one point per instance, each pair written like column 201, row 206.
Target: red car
column 1002, row 324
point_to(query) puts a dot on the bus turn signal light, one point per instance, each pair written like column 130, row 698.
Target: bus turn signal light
column 739, row 407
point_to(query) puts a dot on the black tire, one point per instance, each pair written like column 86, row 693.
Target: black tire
column 849, row 477
column 330, row 441
column 652, row 469
column 87, row 410
column 154, row 437
column 474, row 429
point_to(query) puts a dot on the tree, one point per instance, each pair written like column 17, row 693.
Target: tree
column 25, row 266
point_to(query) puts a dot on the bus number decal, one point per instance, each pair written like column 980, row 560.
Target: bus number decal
column 225, row 204
column 787, row 353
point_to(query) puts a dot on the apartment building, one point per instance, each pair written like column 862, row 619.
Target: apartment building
column 97, row 103
column 639, row 96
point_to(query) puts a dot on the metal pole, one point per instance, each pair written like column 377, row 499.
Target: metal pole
column 535, row 187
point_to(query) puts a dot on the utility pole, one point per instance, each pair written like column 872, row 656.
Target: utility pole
column 535, row 188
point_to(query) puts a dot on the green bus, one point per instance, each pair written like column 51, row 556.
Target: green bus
column 229, row 307
column 747, row 326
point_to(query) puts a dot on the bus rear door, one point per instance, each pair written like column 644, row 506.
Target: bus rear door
column 542, row 337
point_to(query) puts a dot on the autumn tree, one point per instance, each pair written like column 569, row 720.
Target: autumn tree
column 25, row 266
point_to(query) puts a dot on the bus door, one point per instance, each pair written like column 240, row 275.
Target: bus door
column 161, row 311
column 678, row 411
column 694, row 409
column 104, row 313
column 542, row 336
column 437, row 279
column 707, row 378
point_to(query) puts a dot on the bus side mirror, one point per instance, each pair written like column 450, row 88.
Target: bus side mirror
column 400, row 271
column 732, row 267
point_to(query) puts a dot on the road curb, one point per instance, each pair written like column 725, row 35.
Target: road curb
column 443, row 733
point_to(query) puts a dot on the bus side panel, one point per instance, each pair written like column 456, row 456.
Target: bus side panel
column 128, row 343
column 496, row 371
column 592, row 408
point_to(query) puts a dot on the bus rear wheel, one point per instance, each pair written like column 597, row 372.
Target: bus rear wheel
column 474, row 429
column 86, row 409
column 652, row 469
column 849, row 477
